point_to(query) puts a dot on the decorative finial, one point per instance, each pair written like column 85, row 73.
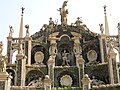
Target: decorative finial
column 11, row 31
column 78, row 21
column 104, row 9
column 22, row 10
column 118, row 26
column 51, row 22
column 27, row 30
column 101, row 28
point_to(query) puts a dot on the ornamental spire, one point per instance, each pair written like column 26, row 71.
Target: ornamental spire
column 106, row 22
column 21, row 24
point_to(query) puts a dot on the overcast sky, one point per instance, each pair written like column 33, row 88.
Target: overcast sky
column 38, row 12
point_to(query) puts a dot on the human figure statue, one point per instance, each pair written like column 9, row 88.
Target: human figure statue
column 22, row 10
column 63, row 13
column 11, row 31
column 118, row 26
column 51, row 21
column 51, row 24
column 78, row 21
column 65, row 58
column 101, row 28
column 4, row 65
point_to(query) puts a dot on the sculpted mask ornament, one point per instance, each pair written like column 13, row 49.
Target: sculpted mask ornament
column 39, row 57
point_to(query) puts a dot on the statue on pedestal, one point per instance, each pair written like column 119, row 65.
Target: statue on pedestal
column 27, row 31
column 78, row 22
column 63, row 13
column 2, row 59
column 101, row 28
column 51, row 24
column 65, row 58
column 11, row 31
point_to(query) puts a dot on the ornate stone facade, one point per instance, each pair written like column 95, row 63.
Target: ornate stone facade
column 62, row 54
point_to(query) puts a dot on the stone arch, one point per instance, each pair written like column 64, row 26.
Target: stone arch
column 13, row 74
column 65, row 44
column 70, row 55
column 34, row 75
column 69, row 73
column 43, row 50
column 14, row 53
column 64, row 35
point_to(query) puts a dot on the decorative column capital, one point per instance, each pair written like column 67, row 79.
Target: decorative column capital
column 86, row 82
column 81, row 61
column 50, row 60
column 20, row 57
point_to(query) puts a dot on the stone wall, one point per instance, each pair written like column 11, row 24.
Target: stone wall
column 107, row 87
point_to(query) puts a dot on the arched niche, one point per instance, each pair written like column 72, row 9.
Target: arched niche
column 65, row 51
column 12, row 73
column 39, row 49
column 90, row 52
column 14, row 53
column 34, row 75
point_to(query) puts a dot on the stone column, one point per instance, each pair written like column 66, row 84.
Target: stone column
column 78, row 54
column 113, row 68
column 28, row 45
column 9, row 82
column 5, row 81
column 51, row 69
column 5, row 78
column 77, row 47
column 86, row 82
column 52, row 52
column 47, row 83
column 81, row 62
column 21, row 69
column 101, row 37
column 9, row 49
column 9, row 44
column 119, row 39
column 27, row 49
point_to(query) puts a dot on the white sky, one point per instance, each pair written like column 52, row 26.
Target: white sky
column 38, row 12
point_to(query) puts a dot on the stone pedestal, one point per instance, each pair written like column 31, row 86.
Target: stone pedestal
column 86, row 82
column 21, row 69
column 9, row 44
column 47, row 83
column 113, row 68
column 5, row 81
column 27, row 50
column 51, row 68
column 80, row 61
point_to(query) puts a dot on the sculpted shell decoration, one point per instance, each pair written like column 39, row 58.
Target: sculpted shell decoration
column 66, row 80
column 92, row 55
